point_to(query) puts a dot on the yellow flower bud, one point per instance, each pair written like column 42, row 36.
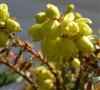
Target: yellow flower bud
column 77, row 15
column 2, row 23
column 52, row 11
column 40, row 17
column 42, row 74
column 70, row 8
column 84, row 29
column 4, row 11
column 68, row 18
column 70, row 30
column 75, row 63
column 4, row 7
column 84, row 44
column 4, row 15
column 12, row 25
column 47, row 84
column 50, row 28
column 36, row 32
column 84, row 20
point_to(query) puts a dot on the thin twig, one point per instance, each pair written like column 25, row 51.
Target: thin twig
column 20, row 73
column 19, row 55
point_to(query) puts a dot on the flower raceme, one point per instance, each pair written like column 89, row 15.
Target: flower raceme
column 8, row 24
column 44, row 78
column 62, row 38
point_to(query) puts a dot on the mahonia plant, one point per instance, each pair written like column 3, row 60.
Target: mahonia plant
column 69, row 54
